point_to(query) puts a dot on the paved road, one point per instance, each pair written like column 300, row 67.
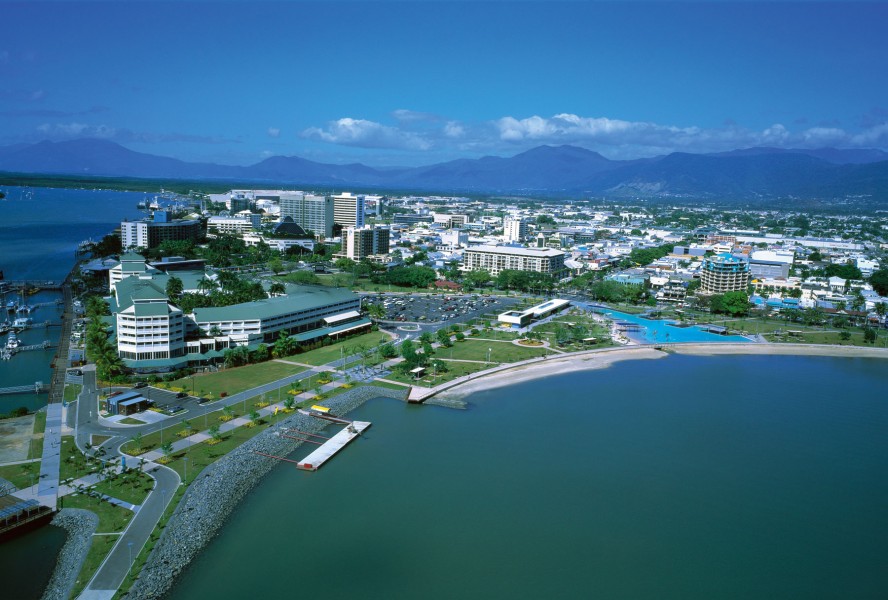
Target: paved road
column 113, row 571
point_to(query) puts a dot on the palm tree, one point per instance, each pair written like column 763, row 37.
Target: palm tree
column 167, row 449
column 277, row 289
column 215, row 434
column 207, row 286
column 255, row 417
column 289, row 403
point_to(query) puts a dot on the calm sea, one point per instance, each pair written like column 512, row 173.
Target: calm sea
column 39, row 232
column 685, row 477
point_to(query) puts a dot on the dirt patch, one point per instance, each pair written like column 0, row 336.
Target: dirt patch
column 15, row 438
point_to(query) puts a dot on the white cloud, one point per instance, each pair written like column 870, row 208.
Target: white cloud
column 366, row 134
column 453, row 129
column 274, row 132
column 616, row 137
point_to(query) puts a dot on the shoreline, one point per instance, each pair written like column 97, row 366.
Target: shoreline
column 604, row 358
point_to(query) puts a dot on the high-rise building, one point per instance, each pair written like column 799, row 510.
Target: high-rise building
column 313, row 213
column 724, row 273
column 348, row 210
column 361, row 242
column 514, row 230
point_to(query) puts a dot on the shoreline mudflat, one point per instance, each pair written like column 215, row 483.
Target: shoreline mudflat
column 601, row 359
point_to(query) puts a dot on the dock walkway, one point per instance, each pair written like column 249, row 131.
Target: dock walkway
column 313, row 461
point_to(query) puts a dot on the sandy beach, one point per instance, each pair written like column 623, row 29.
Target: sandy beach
column 601, row 359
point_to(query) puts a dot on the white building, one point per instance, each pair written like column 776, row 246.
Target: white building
column 348, row 210
column 500, row 258
column 514, row 230
column 134, row 234
column 234, row 225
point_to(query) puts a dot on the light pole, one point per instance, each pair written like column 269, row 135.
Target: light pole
column 185, row 481
column 488, row 355
column 130, row 545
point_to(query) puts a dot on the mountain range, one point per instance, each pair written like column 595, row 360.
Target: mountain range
column 548, row 170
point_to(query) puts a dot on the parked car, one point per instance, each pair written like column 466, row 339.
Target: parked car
column 141, row 384
column 182, row 395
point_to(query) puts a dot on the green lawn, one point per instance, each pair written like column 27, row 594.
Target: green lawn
column 132, row 486
column 131, row 421
column 325, row 354
column 111, row 518
column 21, row 476
column 238, row 379
column 500, row 352
column 75, row 464
column 386, row 384
column 40, row 421
column 455, row 370
column 72, row 390
column 35, row 448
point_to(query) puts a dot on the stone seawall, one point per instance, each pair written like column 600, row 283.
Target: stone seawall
column 220, row 487
column 79, row 525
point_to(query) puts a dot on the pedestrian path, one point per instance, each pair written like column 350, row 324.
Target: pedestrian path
column 198, row 437
column 50, row 463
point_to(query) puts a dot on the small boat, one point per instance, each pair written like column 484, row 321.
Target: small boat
column 22, row 323
column 12, row 342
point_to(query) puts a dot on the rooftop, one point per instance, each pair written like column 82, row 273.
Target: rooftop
column 307, row 297
column 538, row 252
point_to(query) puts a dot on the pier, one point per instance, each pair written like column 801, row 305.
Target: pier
column 328, row 449
column 37, row 387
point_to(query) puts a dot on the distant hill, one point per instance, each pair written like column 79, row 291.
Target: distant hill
column 554, row 170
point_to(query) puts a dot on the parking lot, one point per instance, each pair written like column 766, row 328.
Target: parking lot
column 435, row 310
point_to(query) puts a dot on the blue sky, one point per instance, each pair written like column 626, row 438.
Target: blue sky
column 397, row 83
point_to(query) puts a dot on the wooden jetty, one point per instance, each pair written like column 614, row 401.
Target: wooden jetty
column 328, row 449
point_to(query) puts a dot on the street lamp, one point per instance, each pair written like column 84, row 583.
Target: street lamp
column 488, row 354
column 130, row 545
column 185, row 481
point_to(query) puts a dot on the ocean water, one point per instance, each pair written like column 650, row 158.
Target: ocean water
column 40, row 229
column 685, row 477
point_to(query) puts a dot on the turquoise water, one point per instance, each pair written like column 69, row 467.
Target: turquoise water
column 665, row 331
column 683, row 477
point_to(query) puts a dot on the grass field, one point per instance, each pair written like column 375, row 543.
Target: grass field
column 40, row 421
column 132, row 486
column 21, row 476
column 111, row 518
column 73, row 464
column 500, row 352
column 455, row 370
column 72, row 390
column 131, row 421
column 238, row 379
column 325, row 354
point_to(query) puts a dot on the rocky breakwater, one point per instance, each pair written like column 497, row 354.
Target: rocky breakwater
column 80, row 525
column 217, row 490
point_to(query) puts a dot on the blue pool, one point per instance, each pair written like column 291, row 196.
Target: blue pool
column 653, row 332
